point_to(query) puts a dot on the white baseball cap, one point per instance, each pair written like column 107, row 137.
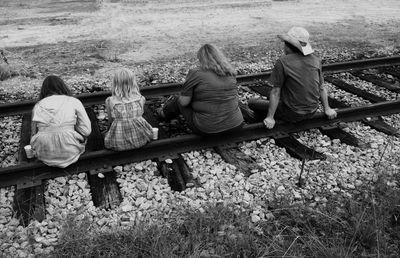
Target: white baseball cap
column 299, row 38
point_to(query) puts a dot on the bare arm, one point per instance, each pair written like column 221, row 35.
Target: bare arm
column 274, row 96
column 329, row 112
column 108, row 110
column 33, row 128
column 83, row 125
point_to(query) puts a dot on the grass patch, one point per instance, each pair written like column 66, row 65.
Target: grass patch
column 368, row 227
column 218, row 231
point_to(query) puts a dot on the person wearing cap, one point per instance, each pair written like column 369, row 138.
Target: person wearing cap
column 297, row 82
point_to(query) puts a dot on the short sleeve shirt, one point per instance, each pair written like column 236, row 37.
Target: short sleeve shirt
column 299, row 78
column 214, row 100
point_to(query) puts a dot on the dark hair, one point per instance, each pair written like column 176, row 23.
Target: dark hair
column 293, row 48
column 54, row 85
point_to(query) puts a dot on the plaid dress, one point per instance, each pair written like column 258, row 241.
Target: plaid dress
column 129, row 130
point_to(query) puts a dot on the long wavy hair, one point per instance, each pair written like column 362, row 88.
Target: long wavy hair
column 212, row 59
column 124, row 85
column 53, row 85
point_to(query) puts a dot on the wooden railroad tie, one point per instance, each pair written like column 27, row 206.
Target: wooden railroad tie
column 377, row 81
column 299, row 150
column 105, row 190
column 392, row 72
column 173, row 167
column 376, row 123
column 233, row 155
column 29, row 198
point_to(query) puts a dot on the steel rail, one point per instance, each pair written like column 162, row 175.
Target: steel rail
column 95, row 98
column 26, row 173
column 361, row 64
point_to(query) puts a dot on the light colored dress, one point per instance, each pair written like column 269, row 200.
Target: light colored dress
column 129, row 130
column 62, row 125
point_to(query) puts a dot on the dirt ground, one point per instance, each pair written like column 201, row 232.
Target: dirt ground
column 90, row 38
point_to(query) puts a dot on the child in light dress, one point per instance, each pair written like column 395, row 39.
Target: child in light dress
column 128, row 129
column 60, row 125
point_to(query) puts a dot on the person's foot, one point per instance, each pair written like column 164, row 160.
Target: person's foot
column 160, row 113
column 249, row 115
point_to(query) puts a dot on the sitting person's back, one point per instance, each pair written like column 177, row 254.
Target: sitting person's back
column 214, row 101
column 209, row 99
column 302, row 78
column 60, row 125
column 298, row 83
column 128, row 129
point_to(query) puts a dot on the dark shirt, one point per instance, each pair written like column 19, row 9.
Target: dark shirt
column 215, row 101
column 299, row 78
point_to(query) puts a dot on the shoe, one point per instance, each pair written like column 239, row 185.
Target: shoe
column 249, row 115
column 160, row 113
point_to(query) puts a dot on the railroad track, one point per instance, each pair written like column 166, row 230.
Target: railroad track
column 173, row 88
column 30, row 175
column 37, row 171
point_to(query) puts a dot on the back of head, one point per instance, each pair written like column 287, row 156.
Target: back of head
column 54, row 85
column 212, row 59
column 297, row 37
column 124, row 84
column 292, row 48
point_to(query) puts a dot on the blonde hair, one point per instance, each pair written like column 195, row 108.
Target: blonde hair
column 212, row 59
column 124, row 84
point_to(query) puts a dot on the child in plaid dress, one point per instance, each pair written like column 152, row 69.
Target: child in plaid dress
column 128, row 129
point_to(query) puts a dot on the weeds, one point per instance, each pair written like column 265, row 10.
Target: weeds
column 361, row 228
column 367, row 225
column 218, row 231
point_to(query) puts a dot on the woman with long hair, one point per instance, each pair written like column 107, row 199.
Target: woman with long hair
column 60, row 125
column 209, row 99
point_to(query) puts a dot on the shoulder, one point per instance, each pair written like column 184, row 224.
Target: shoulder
column 76, row 102
column 194, row 77
column 35, row 107
column 205, row 74
column 291, row 57
column 315, row 58
column 53, row 100
column 113, row 100
column 72, row 99
column 279, row 63
column 107, row 101
column 194, row 73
